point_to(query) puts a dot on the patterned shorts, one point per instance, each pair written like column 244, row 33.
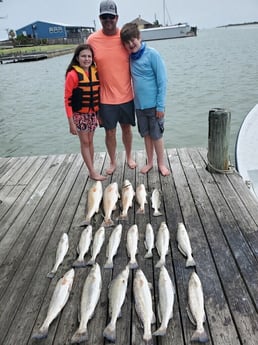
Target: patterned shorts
column 85, row 122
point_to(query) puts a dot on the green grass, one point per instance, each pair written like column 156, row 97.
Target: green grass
column 33, row 49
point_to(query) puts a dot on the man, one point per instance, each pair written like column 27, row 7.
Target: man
column 116, row 95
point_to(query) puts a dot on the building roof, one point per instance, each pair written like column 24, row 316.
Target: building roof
column 140, row 21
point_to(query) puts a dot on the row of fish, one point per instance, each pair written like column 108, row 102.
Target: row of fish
column 162, row 245
column 117, row 291
column 110, row 198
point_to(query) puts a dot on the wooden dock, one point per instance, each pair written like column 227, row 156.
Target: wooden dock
column 42, row 197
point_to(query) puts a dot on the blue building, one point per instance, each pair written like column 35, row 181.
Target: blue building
column 52, row 31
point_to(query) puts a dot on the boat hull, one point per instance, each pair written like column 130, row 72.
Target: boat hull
column 246, row 150
column 168, row 32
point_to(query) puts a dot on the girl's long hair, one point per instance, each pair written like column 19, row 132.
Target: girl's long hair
column 75, row 59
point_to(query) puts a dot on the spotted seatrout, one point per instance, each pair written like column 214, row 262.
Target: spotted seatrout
column 61, row 251
column 184, row 244
column 113, row 244
column 127, row 198
column 110, row 197
column 83, row 246
column 162, row 243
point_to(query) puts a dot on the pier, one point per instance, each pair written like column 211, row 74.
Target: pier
column 43, row 197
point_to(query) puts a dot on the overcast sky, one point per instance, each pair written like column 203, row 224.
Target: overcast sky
column 200, row 13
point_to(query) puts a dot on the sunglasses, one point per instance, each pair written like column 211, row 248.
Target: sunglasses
column 107, row 16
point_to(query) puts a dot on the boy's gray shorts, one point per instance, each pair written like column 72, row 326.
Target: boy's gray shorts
column 149, row 124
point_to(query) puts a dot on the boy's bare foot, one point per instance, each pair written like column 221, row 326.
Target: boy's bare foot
column 97, row 177
column 146, row 168
column 164, row 170
column 111, row 169
column 131, row 163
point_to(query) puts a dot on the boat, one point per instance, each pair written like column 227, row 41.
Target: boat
column 246, row 158
column 167, row 32
column 164, row 32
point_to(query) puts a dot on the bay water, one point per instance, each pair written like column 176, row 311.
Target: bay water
column 216, row 69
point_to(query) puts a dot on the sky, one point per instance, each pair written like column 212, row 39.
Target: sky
column 201, row 13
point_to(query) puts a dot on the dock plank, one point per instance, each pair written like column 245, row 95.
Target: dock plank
column 42, row 197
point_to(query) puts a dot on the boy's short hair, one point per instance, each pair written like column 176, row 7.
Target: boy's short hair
column 129, row 31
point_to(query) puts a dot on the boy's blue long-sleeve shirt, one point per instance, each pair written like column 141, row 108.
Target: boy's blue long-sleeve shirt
column 149, row 80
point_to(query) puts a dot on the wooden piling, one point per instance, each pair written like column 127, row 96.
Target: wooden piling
column 218, row 140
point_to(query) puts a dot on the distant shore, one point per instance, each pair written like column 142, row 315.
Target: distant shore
column 239, row 24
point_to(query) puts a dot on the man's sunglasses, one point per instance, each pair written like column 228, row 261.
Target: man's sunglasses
column 107, row 16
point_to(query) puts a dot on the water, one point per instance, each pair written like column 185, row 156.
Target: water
column 216, row 69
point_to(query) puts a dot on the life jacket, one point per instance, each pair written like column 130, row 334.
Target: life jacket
column 85, row 98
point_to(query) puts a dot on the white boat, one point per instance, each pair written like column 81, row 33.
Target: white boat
column 168, row 32
column 246, row 156
column 165, row 32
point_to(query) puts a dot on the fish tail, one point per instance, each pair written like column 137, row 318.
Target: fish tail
column 147, row 337
column 110, row 333
column 148, row 255
column 109, row 264
column 91, row 262
column 41, row 334
column 160, row 263
column 161, row 331
column 107, row 223
column 157, row 213
column 79, row 263
column 133, row 264
column 51, row 274
column 79, row 336
column 190, row 262
column 140, row 210
column 200, row 336
column 123, row 216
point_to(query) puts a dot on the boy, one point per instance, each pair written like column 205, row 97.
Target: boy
column 149, row 82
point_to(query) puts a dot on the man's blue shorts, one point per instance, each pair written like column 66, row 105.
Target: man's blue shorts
column 111, row 114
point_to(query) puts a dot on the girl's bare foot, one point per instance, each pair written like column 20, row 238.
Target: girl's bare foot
column 111, row 169
column 146, row 168
column 131, row 163
column 97, row 177
column 164, row 170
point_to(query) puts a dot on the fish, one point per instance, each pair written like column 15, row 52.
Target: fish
column 141, row 197
column 95, row 195
column 128, row 194
column 90, row 296
column 116, row 296
column 98, row 241
column 58, row 301
column 162, row 242
column 166, row 301
column 195, row 308
column 110, row 198
column 143, row 304
column 83, row 246
column 62, row 249
column 184, row 245
column 113, row 244
column 149, row 240
column 156, row 202
column 131, row 245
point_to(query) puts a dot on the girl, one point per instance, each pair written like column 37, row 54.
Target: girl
column 82, row 103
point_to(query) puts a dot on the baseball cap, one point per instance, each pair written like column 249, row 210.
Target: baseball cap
column 107, row 7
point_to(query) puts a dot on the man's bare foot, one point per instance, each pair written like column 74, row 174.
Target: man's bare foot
column 164, row 170
column 97, row 177
column 131, row 163
column 146, row 168
column 111, row 169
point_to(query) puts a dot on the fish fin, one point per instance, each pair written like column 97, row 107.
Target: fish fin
column 41, row 334
column 190, row 262
column 110, row 333
column 79, row 263
column 133, row 265
column 200, row 336
column 161, row 331
column 159, row 313
column 148, row 339
column 79, row 336
column 148, row 255
column 181, row 250
column 153, row 319
column 109, row 265
column 51, row 274
column 157, row 213
column 123, row 216
column 190, row 315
